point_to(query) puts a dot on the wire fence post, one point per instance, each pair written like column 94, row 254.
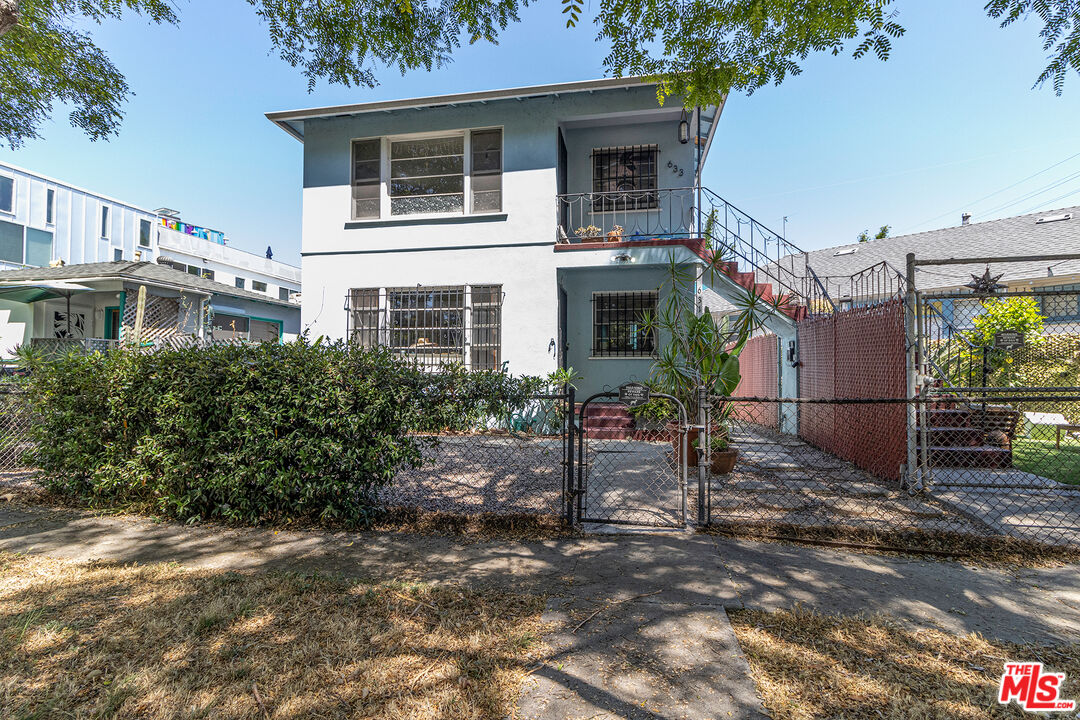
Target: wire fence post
column 909, row 477
column 704, row 449
column 568, row 481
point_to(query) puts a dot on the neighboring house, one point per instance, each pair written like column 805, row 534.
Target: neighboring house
column 457, row 228
column 1050, row 232
column 94, row 305
column 43, row 220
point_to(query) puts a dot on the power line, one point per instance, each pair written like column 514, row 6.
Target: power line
column 1035, row 193
column 1048, row 202
column 966, row 206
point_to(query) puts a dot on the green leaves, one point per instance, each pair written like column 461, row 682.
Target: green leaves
column 44, row 59
column 573, row 7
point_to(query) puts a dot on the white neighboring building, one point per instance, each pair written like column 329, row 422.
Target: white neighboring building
column 43, row 220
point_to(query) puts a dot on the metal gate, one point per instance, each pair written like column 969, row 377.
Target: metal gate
column 631, row 469
column 995, row 432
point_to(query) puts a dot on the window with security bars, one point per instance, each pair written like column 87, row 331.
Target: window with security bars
column 456, row 173
column 486, row 327
column 625, row 177
column 431, row 324
column 619, row 324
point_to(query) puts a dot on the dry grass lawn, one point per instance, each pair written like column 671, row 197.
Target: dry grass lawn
column 808, row 665
column 101, row 640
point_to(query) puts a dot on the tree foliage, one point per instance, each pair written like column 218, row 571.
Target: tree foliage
column 697, row 50
column 881, row 234
column 45, row 59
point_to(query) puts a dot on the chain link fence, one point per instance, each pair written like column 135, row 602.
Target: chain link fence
column 517, row 466
column 632, row 462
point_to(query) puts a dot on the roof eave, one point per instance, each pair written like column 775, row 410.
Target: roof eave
column 282, row 117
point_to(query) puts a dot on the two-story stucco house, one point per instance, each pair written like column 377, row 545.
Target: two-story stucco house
column 528, row 228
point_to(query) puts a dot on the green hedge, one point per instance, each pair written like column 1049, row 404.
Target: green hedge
column 249, row 433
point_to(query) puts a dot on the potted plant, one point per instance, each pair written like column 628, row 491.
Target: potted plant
column 697, row 353
column 721, row 455
column 590, row 233
column 615, row 233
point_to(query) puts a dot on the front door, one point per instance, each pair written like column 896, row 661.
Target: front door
column 112, row 323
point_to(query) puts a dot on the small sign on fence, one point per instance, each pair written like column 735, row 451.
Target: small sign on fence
column 633, row 394
column 1008, row 340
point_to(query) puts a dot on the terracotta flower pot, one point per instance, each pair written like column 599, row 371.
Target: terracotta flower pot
column 691, row 451
column 722, row 461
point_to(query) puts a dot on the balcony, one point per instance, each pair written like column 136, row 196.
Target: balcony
column 626, row 215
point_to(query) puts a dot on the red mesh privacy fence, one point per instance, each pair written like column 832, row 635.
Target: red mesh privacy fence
column 856, row 354
column 758, row 367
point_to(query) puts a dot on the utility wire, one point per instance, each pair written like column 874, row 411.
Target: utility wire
column 1035, row 193
column 966, row 206
column 1048, row 202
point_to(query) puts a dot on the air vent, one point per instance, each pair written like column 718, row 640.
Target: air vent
column 849, row 251
column 1054, row 218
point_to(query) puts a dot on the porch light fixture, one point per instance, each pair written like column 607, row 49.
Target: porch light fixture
column 684, row 127
column 622, row 258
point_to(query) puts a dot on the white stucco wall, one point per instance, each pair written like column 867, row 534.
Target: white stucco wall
column 513, row 248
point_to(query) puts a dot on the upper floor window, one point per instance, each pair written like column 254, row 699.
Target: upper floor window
column 283, row 293
column 104, row 222
column 627, row 176
column 144, row 233
column 7, row 194
column 258, row 286
column 239, row 282
column 50, row 206
column 452, row 174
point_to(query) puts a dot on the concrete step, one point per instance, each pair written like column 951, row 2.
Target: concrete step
column 596, row 410
column 981, row 457
column 952, row 417
column 948, row 436
column 609, row 421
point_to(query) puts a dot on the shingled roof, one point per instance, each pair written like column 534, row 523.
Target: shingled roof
column 1053, row 232
column 138, row 272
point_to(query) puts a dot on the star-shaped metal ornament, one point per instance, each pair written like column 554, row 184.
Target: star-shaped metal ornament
column 986, row 284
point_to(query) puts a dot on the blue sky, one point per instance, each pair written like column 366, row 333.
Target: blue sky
column 950, row 118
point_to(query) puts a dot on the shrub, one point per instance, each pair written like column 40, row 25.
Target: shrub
column 254, row 433
column 237, row 433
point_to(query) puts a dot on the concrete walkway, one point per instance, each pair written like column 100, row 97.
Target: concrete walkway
column 660, row 645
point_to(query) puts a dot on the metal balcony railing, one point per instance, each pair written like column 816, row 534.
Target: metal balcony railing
column 689, row 212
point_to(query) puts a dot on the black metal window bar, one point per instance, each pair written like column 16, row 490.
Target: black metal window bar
column 431, row 324
column 619, row 324
column 486, row 327
column 625, row 177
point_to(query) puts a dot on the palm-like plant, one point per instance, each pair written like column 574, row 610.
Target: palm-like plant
column 695, row 352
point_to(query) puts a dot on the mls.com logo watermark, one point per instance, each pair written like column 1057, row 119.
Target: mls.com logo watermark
column 1032, row 689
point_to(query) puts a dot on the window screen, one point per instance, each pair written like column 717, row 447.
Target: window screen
column 619, row 324
column 38, row 247
column 486, row 170
column 264, row 331
column 1060, row 306
column 366, row 162
column 229, row 327
column 627, row 176
column 427, row 176
column 11, row 242
column 7, row 193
